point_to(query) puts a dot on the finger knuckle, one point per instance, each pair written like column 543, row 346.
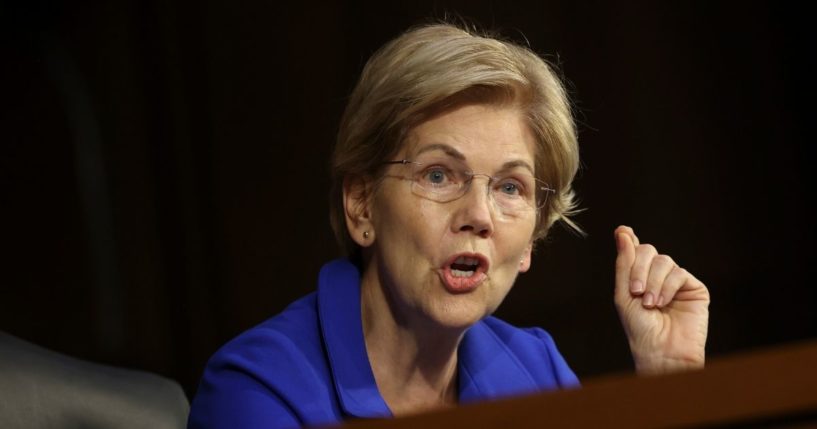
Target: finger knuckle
column 664, row 259
column 680, row 271
column 648, row 249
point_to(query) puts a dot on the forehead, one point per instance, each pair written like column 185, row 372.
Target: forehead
column 482, row 133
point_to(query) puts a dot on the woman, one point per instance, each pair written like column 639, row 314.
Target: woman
column 455, row 155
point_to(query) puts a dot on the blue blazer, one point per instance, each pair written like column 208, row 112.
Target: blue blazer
column 308, row 365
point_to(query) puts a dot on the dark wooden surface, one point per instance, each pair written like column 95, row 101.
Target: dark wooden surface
column 775, row 387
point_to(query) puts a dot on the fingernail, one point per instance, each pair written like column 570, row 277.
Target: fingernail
column 660, row 302
column 648, row 299
column 637, row 286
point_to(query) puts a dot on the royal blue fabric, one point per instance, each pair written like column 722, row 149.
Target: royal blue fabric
column 308, row 365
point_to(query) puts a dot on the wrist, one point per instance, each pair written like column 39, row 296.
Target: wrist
column 654, row 365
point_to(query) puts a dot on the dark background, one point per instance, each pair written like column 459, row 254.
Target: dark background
column 163, row 165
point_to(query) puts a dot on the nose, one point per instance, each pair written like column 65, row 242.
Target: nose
column 474, row 210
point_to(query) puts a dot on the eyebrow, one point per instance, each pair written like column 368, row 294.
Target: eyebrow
column 517, row 163
column 450, row 151
column 454, row 153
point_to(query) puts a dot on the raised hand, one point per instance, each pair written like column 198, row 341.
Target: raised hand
column 664, row 308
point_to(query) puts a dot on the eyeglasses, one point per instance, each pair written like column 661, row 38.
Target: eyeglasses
column 445, row 179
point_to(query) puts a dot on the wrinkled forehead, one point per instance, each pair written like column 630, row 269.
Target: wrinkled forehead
column 437, row 153
column 497, row 148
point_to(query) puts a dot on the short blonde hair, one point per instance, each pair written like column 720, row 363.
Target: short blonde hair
column 436, row 66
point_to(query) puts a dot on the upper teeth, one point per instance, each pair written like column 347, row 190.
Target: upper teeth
column 462, row 260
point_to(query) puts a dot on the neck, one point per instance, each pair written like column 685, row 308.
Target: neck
column 414, row 360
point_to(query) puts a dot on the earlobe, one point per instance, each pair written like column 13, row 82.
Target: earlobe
column 525, row 261
column 356, row 201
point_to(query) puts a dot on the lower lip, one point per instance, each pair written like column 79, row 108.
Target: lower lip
column 456, row 284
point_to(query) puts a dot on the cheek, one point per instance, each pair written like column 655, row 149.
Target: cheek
column 427, row 222
column 407, row 222
column 517, row 240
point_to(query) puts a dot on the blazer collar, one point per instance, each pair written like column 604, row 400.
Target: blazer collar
column 342, row 330
column 488, row 369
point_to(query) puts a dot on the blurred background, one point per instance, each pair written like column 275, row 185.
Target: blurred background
column 163, row 165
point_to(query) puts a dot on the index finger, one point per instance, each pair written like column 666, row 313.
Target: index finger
column 624, row 263
column 629, row 231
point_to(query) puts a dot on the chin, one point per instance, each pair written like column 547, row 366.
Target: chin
column 459, row 314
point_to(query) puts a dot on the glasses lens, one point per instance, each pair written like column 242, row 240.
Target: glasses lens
column 519, row 192
column 445, row 179
column 438, row 179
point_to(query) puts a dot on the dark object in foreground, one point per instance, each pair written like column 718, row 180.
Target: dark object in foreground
column 774, row 387
column 40, row 388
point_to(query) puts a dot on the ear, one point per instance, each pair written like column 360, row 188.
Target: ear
column 524, row 263
column 356, row 205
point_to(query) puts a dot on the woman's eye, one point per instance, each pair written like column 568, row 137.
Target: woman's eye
column 510, row 188
column 435, row 176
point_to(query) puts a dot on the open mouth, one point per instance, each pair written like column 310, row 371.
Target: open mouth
column 464, row 272
column 464, row 266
